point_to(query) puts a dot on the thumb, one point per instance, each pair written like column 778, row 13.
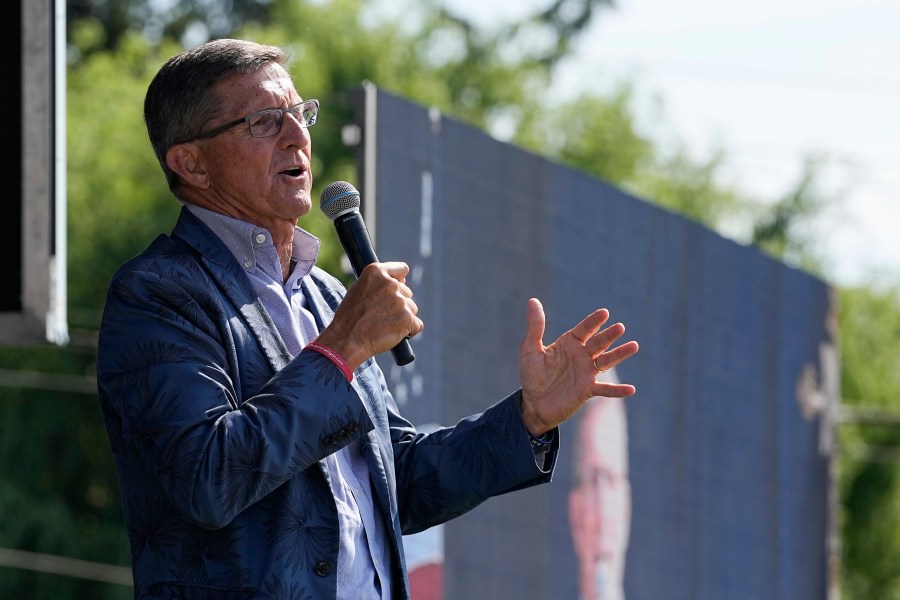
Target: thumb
column 534, row 336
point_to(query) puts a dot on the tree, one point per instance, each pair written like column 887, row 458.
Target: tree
column 870, row 448
column 117, row 19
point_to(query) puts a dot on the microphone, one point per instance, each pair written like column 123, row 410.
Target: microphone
column 340, row 203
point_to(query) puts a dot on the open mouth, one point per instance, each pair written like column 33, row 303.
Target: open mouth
column 295, row 172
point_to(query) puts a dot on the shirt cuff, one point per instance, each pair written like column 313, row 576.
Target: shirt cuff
column 543, row 442
column 541, row 448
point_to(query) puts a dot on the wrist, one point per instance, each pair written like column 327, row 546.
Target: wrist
column 352, row 354
column 533, row 423
column 334, row 356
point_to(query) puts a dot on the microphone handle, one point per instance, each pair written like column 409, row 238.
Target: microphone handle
column 354, row 237
column 403, row 353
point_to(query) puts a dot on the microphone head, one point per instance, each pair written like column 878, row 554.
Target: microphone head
column 338, row 198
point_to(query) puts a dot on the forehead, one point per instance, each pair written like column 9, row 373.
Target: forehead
column 266, row 87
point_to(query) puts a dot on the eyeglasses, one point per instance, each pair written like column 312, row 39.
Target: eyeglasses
column 268, row 122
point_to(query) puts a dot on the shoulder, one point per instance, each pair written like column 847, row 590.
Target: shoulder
column 163, row 256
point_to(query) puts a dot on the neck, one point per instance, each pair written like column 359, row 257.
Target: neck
column 284, row 257
column 281, row 230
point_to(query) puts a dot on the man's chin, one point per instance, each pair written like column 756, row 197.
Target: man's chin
column 303, row 204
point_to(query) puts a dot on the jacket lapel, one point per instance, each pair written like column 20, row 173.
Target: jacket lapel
column 225, row 270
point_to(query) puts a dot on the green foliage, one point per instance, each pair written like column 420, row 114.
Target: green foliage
column 596, row 135
column 689, row 187
column 59, row 494
column 117, row 197
column 870, row 345
column 782, row 228
column 871, row 516
column 870, row 451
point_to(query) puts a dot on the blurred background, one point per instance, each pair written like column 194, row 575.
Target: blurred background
column 771, row 125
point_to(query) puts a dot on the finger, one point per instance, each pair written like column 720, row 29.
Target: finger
column 602, row 340
column 398, row 270
column 405, row 290
column 590, row 324
column 612, row 390
column 534, row 335
column 418, row 325
column 610, row 358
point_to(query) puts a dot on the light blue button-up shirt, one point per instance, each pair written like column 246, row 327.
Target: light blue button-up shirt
column 363, row 559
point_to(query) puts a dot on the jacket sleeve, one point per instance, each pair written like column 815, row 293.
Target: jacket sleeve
column 194, row 409
column 447, row 472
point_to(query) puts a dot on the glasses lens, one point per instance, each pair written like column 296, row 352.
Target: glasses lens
column 310, row 112
column 265, row 123
column 268, row 122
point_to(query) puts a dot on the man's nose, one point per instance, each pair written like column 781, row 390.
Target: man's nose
column 292, row 130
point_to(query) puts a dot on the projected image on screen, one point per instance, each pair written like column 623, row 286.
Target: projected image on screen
column 600, row 497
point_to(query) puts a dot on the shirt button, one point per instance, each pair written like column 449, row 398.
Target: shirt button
column 260, row 238
column 248, row 263
column 323, row 568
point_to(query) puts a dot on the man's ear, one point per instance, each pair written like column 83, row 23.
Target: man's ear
column 186, row 159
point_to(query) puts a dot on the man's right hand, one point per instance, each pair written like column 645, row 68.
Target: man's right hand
column 375, row 315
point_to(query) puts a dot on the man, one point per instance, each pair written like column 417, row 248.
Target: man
column 259, row 452
column 600, row 499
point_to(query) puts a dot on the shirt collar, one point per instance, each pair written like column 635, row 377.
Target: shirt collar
column 252, row 245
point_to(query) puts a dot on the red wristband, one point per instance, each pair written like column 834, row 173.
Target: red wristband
column 336, row 358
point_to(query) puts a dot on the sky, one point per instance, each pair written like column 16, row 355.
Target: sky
column 770, row 83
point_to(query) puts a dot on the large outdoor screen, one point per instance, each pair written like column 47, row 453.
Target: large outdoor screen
column 712, row 482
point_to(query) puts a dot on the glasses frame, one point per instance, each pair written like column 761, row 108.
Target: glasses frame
column 307, row 123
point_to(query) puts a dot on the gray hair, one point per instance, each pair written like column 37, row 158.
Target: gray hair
column 182, row 98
